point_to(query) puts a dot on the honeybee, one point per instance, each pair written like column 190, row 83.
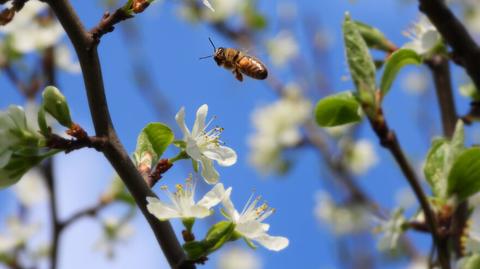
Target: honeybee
column 238, row 62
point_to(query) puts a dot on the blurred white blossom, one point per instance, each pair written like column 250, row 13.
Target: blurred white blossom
column 424, row 36
column 415, row 82
column 342, row 219
column 277, row 127
column 391, row 230
column 361, row 156
column 418, row 263
column 205, row 146
column 31, row 189
column 28, row 34
column 64, row 60
column 282, row 48
column 471, row 239
column 238, row 258
column 249, row 223
column 224, row 9
column 16, row 234
column 183, row 204
column 115, row 231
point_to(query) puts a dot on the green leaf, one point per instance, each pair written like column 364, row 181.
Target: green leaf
column 219, row 234
column 56, row 105
column 42, row 122
column 337, row 109
column 19, row 163
column 441, row 157
column 195, row 249
column 397, row 60
column 470, row 262
column 154, row 140
column 464, row 177
column 434, row 168
column 362, row 67
column 374, row 38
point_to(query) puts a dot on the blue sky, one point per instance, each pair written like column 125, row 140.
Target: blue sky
column 173, row 47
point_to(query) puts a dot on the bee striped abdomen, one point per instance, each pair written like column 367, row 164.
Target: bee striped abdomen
column 252, row 67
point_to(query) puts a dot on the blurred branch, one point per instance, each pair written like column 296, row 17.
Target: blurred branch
column 87, row 212
column 465, row 51
column 114, row 150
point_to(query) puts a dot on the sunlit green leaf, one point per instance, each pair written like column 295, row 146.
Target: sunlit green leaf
column 374, row 38
column 154, row 140
column 362, row 67
column 397, row 60
column 337, row 109
column 463, row 179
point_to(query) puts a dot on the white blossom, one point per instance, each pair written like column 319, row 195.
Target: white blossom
column 392, row 229
column 342, row 220
column 282, row 48
column 238, row 258
column 207, row 4
column 224, row 9
column 415, row 83
column 205, row 146
column 183, row 204
column 471, row 239
column 361, row 156
column 424, row 36
column 277, row 127
column 31, row 189
column 249, row 223
column 418, row 263
column 17, row 234
column 63, row 59
column 28, row 34
column 115, row 231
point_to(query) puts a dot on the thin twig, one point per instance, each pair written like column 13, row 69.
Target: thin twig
column 389, row 140
column 87, row 212
column 114, row 150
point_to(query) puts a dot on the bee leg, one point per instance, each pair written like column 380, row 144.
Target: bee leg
column 238, row 75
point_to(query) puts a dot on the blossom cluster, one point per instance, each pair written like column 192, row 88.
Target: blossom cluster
column 203, row 145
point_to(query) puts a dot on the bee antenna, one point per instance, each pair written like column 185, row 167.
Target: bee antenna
column 201, row 58
column 213, row 45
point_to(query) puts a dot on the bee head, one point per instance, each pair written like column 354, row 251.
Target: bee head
column 219, row 55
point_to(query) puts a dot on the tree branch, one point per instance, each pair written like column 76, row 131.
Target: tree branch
column 465, row 50
column 389, row 141
column 114, row 150
column 440, row 70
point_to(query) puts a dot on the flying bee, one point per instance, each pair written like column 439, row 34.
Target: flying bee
column 238, row 62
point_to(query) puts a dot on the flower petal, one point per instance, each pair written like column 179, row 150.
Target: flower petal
column 180, row 118
column 206, row 3
column 250, row 229
column 228, row 206
column 199, row 212
column 199, row 124
column 275, row 243
column 209, row 173
column 192, row 148
column 213, row 197
column 225, row 156
column 161, row 210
